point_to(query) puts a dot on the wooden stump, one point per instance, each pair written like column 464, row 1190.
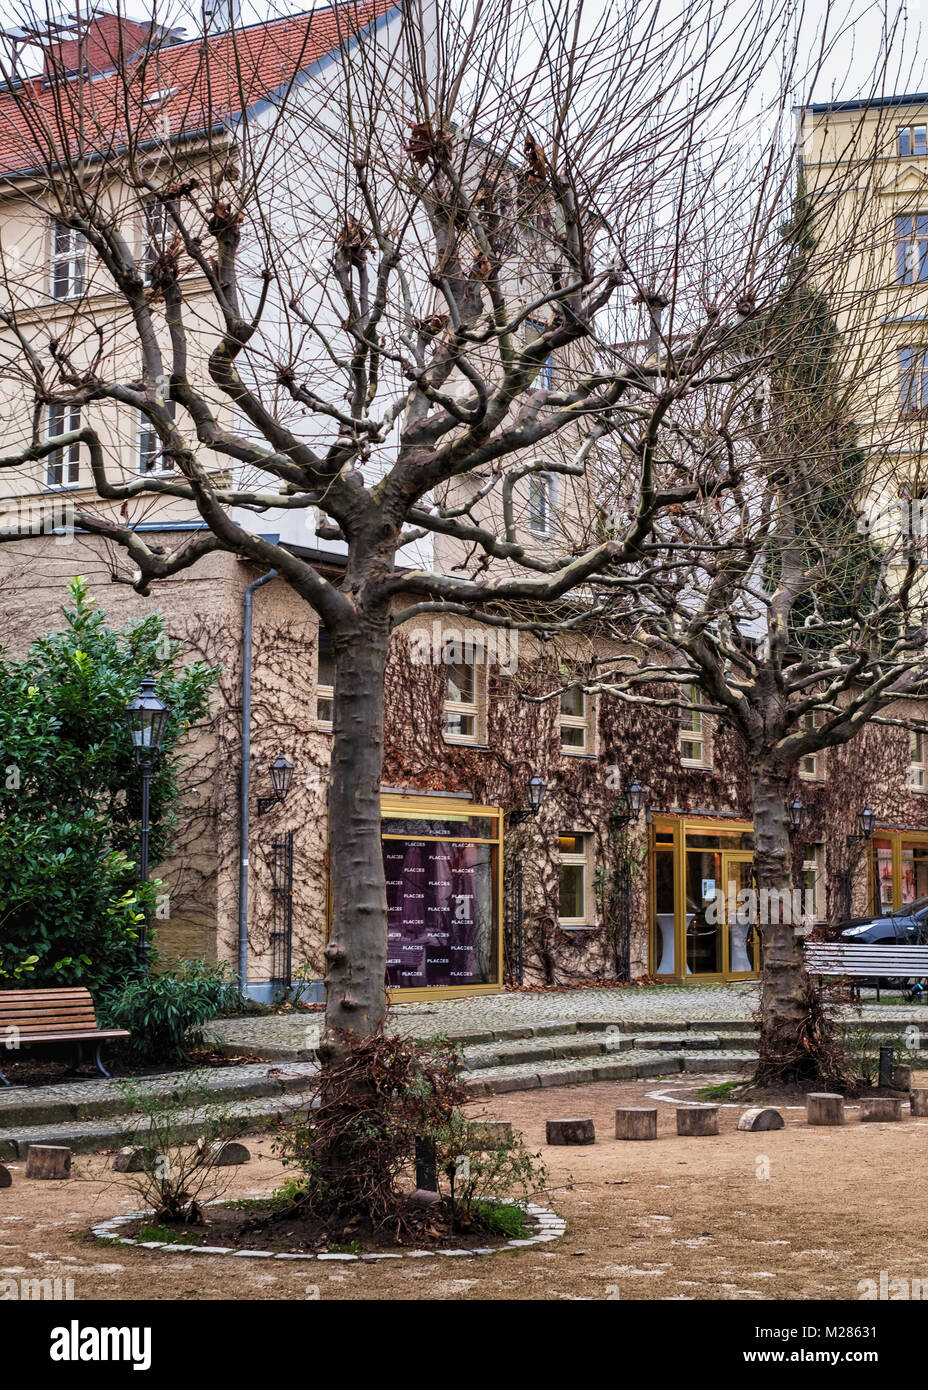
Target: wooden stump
column 570, row 1132
column 824, row 1108
column 918, row 1101
column 636, row 1122
column 697, row 1120
column 130, row 1160
column 6, row 1177
column 881, row 1108
column 902, row 1078
column 51, row 1162
column 228, row 1154
column 761, row 1117
column 489, row 1134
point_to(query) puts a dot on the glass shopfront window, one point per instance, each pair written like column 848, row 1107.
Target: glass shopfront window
column 702, row 877
column 442, row 871
column 899, row 861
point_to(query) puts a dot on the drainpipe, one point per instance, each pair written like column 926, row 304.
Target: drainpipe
column 245, row 784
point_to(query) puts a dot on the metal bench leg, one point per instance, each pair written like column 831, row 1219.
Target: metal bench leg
column 99, row 1061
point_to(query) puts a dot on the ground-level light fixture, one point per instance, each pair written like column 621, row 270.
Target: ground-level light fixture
column 282, row 778
column 797, row 813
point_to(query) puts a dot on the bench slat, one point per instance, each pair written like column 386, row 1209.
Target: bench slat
column 845, row 958
column 81, row 1034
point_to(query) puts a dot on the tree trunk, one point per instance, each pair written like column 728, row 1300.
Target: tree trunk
column 356, row 954
column 797, row 1040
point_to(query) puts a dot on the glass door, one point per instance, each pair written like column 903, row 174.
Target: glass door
column 740, row 914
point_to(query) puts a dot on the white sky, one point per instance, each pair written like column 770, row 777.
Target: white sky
column 857, row 32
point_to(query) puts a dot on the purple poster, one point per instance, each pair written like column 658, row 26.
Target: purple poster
column 439, row 912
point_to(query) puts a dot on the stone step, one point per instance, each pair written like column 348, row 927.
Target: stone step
column 631, row 1066
column 98, row 1099
column 105, row 1136
column 591, row 1045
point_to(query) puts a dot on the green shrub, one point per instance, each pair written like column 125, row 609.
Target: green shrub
column 165, row 1014
column 70, row 794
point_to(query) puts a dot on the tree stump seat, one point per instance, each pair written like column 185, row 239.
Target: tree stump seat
column 636, row 1122
column 824, row 1108
column 697, row 1121
column 570, row 1131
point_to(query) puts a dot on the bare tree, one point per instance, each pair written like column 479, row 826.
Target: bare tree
column 440, row 266
column 796, row 605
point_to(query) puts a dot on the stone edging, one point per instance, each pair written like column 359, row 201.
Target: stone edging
column 549, row 1227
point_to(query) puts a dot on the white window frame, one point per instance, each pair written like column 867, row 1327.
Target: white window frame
column 545, row 377
column 917, row 776
column 913, row 380
column 464, row 709
column 815, row 865
column 576, row 721
column 904, row 135
column 67, row 461
column 694, row 734
column 68, row 253
column 540, row 510
column 912, row 248
column 155, row 222
column 323, row 692
column 147, row 431
column 581, row 861
column 812, row 765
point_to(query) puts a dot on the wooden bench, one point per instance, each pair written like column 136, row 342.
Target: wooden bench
column 51, row 1016
column 875, row 961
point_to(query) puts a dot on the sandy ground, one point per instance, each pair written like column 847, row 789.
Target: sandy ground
column 802, row 1213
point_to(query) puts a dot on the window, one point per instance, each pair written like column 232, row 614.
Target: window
column 692, row 733
column 912, row 248
column 63, row 465
column 813, row 879
column 69, row 254
column 325, row 680
column 540, row 503
column 155, row 223
column 461, row 709
column 575, row 709
column 913, row 379
column 916, row 780
column 912, row 139
column 151, row 457
column 575, row 879
column 545, row 377
column 812, row 766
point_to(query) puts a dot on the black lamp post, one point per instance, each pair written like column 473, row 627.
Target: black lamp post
column 282, row 777
column 147, row 717
column 536, row 786
column 866, row 819
column 797, row 814
column 629, row 805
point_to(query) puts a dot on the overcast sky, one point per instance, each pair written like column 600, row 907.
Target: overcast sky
column 857, row 32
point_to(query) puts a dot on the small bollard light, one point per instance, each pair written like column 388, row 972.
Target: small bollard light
column 886, row 1067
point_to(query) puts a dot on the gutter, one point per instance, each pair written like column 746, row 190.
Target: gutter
column 246, row 782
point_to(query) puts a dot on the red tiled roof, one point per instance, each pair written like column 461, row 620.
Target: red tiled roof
column 201, row 84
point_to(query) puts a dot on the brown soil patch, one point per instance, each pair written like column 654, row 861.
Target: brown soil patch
column 674, row 1218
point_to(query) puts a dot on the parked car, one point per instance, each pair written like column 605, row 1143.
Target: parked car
column 907, row 927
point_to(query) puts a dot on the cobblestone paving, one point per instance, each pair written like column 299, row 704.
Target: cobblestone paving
column 677, row 1006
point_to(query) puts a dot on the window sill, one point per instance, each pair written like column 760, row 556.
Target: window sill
column 578, row 926
column 578, row 753
column 695, row 767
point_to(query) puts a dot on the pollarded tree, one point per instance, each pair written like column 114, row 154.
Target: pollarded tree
column 387, row 265
column 798, row 621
